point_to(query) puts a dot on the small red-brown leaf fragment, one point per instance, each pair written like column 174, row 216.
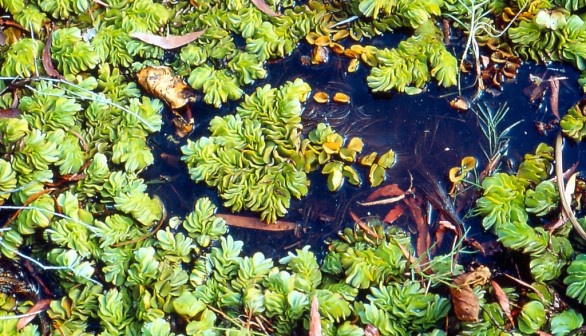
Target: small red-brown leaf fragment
column 503, row 300
column 253, row 223
column 371, row 330
column 394, row 214
column 554, row 83
column 314, row 318
column 167, row 42
column 10, row 113
column 390, row 190
column 466, row 304
column 46, row 58
column 35, row 309
column 263, row 7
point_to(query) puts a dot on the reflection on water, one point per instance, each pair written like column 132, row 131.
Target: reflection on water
column 428, row 135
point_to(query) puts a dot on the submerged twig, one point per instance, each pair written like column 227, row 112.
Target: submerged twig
column 559, row 171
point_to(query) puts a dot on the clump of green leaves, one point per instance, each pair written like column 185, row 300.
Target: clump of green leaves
column 258, row 160
column 506, row 205
column 573, row 124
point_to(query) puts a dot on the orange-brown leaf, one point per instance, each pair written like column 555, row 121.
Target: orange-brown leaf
column 35, row 309
column 255, row 224
column 167, row 42
column 263, row 7
column 46, row 58
column 390, row 190
column 503, row 300
column 394, row 214
column 314, row 318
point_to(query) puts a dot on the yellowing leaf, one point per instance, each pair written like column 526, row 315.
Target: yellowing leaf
column 335, row 180
column 353, row 66
column 356, row 144
column 387, row 160
column 348, row 154
column 321, row 97
column 341, row 98
column 322, row 41
column 369, row 159
column 456, row 175
column 468, row 163
column 340, row 35
column 376, row 175
column 352, row 175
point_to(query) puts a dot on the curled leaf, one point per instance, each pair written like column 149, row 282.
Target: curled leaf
column 160, row 82
column 341, row 98
column 167, row 42
column 321, row 97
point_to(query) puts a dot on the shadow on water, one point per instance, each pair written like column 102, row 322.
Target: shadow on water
column 427, row 134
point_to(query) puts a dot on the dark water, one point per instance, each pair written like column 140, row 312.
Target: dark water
column 429, row 136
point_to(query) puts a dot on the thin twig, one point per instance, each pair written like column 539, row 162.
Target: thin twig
column 523, row 283
column 559, row 171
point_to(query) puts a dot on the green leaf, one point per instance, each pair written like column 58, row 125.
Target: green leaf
column 188, row 305
column 566, row 321
column 532, row 317
column 576, row 279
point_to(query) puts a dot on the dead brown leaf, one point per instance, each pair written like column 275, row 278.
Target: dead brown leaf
column 554, row 83
column 46, row 58
column 37, row 308
column 423, row 238
column 160, row 82
column 466, row 304
column 394, row 214
column 255, row 224
column 263, row 7
column 2, row 39
column 390, row 190
column 503, row 300
column 314, row 318
column 167, row 42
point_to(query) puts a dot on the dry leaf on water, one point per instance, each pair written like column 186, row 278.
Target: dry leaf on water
column 168, row 42
column 160, row 82
column 503, row 300
column 255, row 224
column 554, row 98
column 314, row 318
column 465, row 302
column 390, row 190
column 46, row 58
column 371, row 330
column 38, row 307
column 394, row 214
column 263, row 7
column 10, row 113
